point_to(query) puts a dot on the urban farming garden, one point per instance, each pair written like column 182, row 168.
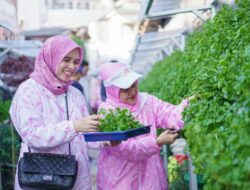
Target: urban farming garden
column 215, row 67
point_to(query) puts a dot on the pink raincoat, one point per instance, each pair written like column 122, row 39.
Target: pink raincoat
column 38, row 110
column 136, row 163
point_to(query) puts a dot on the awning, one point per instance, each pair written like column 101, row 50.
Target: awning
column 159, row 35
column 27, row 48
column 45, row 32
column 154, row 46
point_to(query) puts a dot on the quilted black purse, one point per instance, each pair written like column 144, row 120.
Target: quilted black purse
column 46, row 170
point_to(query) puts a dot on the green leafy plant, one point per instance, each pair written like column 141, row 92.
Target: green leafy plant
column 4, row 109
column 176, row 171
column 215, row 65
column 117, row 120
column 9, row 144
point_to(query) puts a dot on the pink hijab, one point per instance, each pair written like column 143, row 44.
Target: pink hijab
column 47, row 61
column 107, row 70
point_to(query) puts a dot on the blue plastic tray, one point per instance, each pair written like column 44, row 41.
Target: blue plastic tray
column 119, row 135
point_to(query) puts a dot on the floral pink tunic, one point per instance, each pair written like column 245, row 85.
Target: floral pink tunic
column 136, row 163
column 40, row 118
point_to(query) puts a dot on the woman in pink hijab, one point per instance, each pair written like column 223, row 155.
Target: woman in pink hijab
column 42, row 105
column 136, row 164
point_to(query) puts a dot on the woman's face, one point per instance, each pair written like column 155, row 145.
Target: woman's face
column 68, row 65
column 128, row 96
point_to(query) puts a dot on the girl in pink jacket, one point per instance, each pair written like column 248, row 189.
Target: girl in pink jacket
column 39, row 110
column 136, row 164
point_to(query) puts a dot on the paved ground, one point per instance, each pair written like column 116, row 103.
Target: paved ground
column 93, row 170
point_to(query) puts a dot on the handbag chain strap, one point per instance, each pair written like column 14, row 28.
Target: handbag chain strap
column 67, row 112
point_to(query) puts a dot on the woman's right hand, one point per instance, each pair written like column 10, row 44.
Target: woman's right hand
column 87, row 124
column 166, row 137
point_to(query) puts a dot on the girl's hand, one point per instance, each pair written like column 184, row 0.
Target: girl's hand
column 112, row 143
column 191, row 97
column 115, row 143
column 166, row 137
column 87, row 124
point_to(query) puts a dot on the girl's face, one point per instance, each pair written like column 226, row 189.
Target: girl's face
column 128, row 96
column 68, row 65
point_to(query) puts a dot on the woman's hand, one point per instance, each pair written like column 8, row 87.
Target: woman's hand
column 166, row 137
column 87, row 124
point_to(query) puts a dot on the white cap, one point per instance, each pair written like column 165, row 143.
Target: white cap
column 123, row 79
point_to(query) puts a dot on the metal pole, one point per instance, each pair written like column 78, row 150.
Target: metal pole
column 150, row 2
column 5, row 52
column 165, row 158
column 163, row 14
column 1, row 184
column 192, row 176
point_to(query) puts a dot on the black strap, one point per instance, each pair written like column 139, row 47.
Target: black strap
column 67, row 112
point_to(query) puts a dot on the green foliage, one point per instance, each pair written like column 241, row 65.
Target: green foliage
column 9, row 144
column 215, row 66
column 8, row 139
column 4, row 109
column 9, row 148
column 117, row 120
column 172, row 88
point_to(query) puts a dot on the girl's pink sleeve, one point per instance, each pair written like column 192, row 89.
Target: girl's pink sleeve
column 27, row 117
column 135, row 149
column 168, row 115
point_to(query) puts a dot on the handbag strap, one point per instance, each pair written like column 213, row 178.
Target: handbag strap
column 67, row 112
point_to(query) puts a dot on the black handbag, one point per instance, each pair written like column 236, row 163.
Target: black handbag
column 46, row 170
